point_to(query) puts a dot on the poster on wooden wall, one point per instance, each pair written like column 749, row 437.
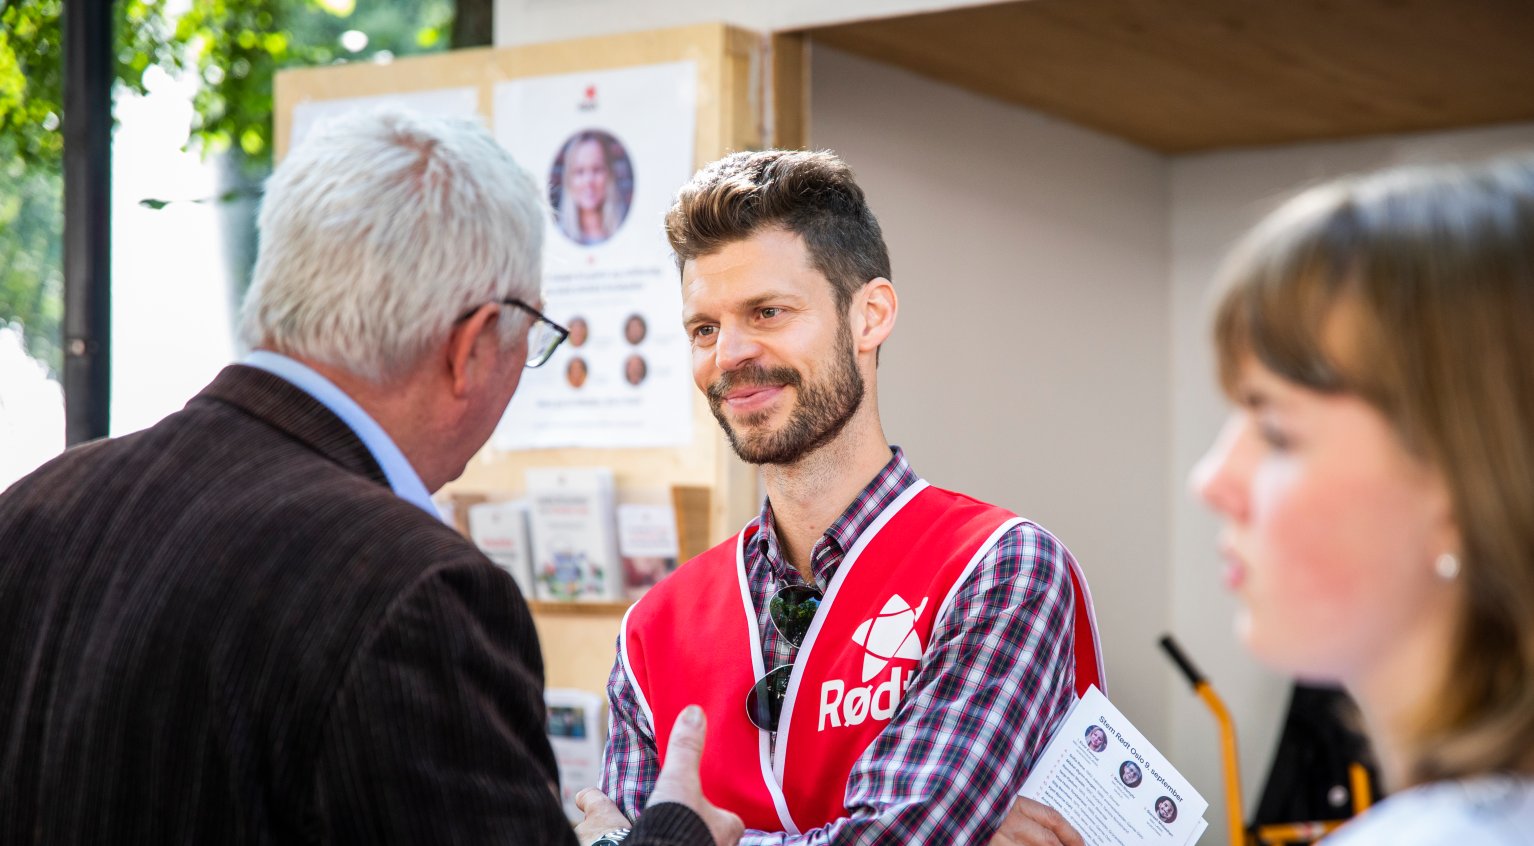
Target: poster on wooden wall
column 441, row 102
column 611, row 147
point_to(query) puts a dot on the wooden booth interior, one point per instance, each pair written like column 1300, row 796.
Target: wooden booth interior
column 1174, row 76
column 1180, row 76
column 713, row 493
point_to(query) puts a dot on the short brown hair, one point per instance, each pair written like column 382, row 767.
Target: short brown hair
column 1413, row 290
column 811, row 194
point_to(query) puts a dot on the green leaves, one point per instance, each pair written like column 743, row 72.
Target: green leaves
column 237, row 46
column 30, row 84
column 31, row 268
column 234, row 46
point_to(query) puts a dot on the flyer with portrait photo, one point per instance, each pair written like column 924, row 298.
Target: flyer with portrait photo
column 611, row 148
column 578, row 732
column 1111, row 784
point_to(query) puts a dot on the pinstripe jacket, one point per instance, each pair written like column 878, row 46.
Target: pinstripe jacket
column 227, row 629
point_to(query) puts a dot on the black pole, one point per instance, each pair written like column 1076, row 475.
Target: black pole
column 1173, row 651
column 473, row 23
column 87, row 28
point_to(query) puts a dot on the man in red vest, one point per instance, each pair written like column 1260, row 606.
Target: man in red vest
column 879, row 659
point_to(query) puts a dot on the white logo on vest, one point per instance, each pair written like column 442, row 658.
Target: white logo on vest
column 888, row 635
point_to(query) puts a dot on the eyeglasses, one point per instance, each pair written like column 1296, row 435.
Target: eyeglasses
column 543, row 337
column 792, row 610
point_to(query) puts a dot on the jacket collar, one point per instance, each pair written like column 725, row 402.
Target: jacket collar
column 279, row 403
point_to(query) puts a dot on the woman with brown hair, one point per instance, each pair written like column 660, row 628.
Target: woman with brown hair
column 1376, row 478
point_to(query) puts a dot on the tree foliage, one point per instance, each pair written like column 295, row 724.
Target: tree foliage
column 31, row 268
column 235, row 47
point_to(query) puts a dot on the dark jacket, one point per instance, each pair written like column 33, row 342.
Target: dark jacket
column 228, row 629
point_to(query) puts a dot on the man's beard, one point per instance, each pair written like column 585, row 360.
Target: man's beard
column 819, row 415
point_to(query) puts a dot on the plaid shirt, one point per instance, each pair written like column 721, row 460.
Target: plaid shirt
column 996, row 678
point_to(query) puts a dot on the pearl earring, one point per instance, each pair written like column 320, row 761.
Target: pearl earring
column 1447, row 567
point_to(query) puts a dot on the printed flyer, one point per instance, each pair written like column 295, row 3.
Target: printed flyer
column 1111, row 784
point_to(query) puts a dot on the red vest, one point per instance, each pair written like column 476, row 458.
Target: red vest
column 693, row 639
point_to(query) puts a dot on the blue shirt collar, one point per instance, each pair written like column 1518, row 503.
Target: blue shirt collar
column 407, row 485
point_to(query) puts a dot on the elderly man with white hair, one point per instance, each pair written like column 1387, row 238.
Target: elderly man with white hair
column 246, row 624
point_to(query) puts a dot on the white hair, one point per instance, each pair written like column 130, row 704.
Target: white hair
column 382, row 229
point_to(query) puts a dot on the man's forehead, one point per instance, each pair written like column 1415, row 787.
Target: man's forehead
column 771, row 259
column 774, row 246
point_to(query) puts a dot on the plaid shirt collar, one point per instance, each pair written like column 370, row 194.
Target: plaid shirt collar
column 827, row 553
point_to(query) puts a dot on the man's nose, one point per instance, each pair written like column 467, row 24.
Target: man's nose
column 736, row 347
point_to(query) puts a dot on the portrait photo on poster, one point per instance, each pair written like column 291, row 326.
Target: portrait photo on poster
column 576, row 372
column 1129, row 773
column 635, row 329
column 635, row 369
column 591, row 186
column 579, row 331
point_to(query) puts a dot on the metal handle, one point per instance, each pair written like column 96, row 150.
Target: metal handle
column 1173, row 651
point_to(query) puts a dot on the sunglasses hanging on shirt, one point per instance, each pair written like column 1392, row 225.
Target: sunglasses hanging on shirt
column 792, row 610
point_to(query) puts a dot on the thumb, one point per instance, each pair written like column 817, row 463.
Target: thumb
column 684, row 750
column 592, row 800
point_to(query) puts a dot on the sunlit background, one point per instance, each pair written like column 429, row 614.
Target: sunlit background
column 191, row 145
column 1053, row 215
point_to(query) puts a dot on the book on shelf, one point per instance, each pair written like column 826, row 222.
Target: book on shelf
column 575, row 550
column 647, row 545
column 500, row 530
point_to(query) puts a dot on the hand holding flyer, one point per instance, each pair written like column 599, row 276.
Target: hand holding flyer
column 1111, row 784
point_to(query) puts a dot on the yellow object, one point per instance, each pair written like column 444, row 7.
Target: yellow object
column 1358, row 778
column 1306, row 832
column 1234, row 817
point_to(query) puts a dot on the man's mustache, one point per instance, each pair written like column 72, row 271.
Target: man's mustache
column 756, row 377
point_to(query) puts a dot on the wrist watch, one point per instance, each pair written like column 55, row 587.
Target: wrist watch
column 611, row 838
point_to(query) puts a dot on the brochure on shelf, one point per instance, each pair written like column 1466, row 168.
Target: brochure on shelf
column 575, row 551
column 647, row 545
column 500, row 530
column 577, row 731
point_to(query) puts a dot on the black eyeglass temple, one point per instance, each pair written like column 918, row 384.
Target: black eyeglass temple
column 513, row 301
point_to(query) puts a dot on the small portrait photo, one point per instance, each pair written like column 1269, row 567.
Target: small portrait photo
column 634, row 369
column 1166, row 809
column 590, row 186
column 634, row 329
column 567, row 721
column 1129, row 773
column 1097, row 739
column 579, row 331
column 575, row 372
